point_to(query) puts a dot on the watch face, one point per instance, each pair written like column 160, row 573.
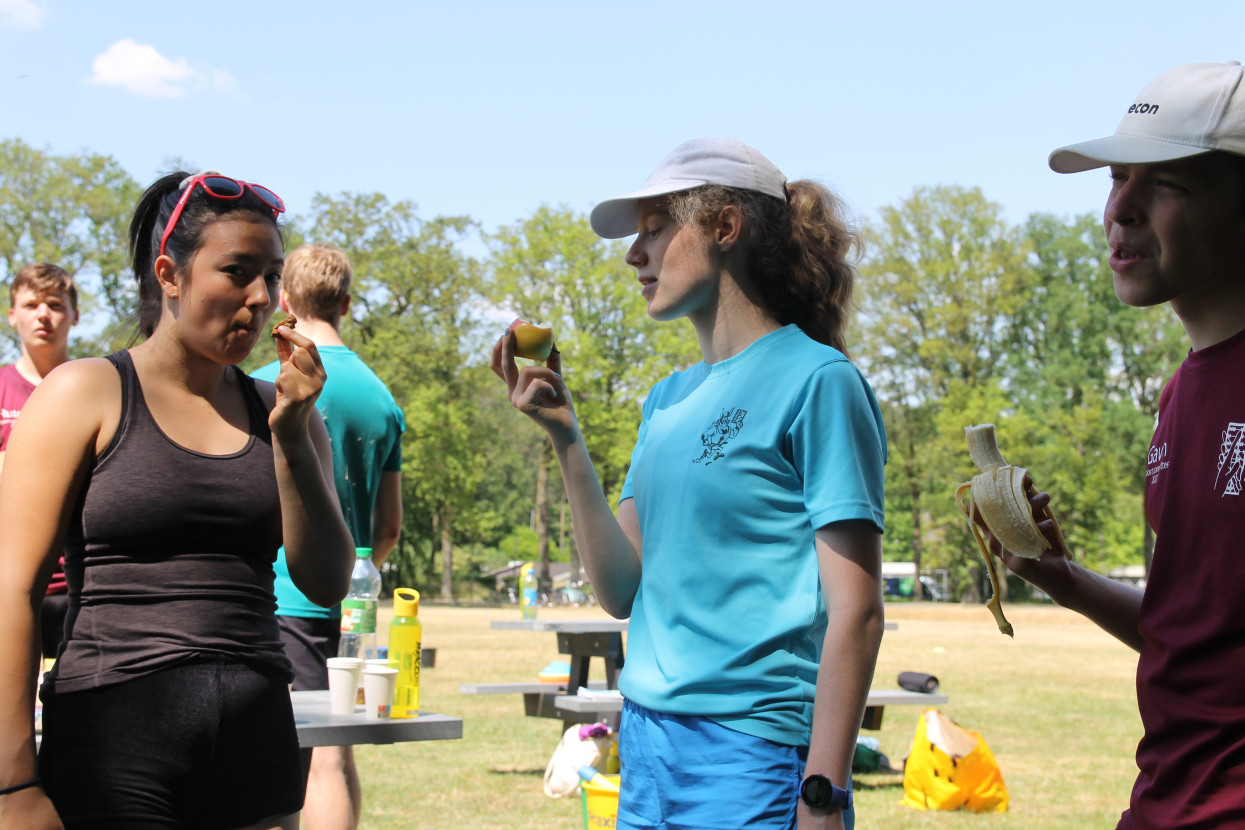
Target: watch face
column 816, row 791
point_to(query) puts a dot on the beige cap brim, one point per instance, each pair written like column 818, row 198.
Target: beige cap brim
column 1118, row 149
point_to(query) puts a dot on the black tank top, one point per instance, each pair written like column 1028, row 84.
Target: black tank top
column 169, row 552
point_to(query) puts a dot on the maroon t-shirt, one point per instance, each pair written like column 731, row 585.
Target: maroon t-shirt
column 15, row 390
column 1191, row 673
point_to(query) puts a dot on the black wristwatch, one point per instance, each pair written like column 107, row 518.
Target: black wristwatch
column 818, row 792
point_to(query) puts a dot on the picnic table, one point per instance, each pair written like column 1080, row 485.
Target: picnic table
column 580, row 640
column 317, row 726
column 579, row 701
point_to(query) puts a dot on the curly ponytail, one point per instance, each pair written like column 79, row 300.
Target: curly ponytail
column 801, row 253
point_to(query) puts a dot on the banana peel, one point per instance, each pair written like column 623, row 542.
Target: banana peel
column 1000, row 495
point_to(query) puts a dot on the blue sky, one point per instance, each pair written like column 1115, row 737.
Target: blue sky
column 492, row 109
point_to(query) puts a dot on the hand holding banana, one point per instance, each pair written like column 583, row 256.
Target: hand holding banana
column 1000, row 495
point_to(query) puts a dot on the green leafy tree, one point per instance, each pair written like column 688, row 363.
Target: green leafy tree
column 73, row 211
column 415, row 303
column 552, row 268
column 939, row 284
column 1090, row 370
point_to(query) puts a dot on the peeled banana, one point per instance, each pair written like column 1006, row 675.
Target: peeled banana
column 1000, row 495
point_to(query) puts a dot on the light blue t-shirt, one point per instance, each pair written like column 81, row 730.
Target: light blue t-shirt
column 365, row 428
column 736, row 466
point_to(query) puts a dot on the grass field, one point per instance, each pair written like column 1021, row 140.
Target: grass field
column 1056, row 706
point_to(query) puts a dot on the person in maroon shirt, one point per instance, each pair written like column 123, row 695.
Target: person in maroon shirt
column 43, row 307
column 1175, row 224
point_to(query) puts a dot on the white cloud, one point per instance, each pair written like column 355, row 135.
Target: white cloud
column 142, row 70
column 21, row 14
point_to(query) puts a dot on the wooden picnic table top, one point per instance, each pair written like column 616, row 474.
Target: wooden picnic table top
column 877, row 697
column 562, row 626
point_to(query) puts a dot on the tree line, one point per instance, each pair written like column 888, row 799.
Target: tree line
column 962, row 318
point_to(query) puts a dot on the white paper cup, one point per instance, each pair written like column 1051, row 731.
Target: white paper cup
column 343, row 683
column 378, row 685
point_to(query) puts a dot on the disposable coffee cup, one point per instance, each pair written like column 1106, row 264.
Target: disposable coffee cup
column 371, row 662
column 344, row 675
column 378, row 685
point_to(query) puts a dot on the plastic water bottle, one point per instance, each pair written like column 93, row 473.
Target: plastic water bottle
column 529, row 590
column 405, row 635
column 359, row 609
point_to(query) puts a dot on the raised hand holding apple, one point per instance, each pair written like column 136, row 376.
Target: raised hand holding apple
column 535, row 389
column 532, row 342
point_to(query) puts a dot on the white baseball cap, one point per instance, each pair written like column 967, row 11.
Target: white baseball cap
column 701, row 161
column 1184, row 112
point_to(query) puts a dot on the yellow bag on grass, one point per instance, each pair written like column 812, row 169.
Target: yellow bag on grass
column 951, row 768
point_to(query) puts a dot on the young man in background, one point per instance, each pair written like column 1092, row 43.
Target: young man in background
column 43, row 307
column 365, row 427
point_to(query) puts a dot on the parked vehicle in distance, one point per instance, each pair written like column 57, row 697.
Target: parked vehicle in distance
column 899, row 582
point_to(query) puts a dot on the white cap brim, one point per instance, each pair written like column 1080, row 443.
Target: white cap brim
column 617, row 217
column 1118, row 149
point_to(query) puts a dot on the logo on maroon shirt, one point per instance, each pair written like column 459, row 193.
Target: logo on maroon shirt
column 1231, row 460
column 1156, row 463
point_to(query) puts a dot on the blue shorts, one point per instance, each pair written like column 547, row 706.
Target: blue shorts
column 682, row 772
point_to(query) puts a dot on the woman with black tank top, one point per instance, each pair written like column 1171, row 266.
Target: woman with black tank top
column 170, row 479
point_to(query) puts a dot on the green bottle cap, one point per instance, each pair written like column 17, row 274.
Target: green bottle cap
column 363, row 553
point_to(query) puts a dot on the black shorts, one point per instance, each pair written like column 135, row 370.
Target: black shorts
column 208, row 744
column 309, row 642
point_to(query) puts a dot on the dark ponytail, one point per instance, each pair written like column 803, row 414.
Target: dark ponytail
column 802, row 253
column 152, row 214
column 146, row 228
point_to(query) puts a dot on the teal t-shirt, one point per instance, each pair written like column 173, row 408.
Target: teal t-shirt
column 365, row 428
column 736, row 466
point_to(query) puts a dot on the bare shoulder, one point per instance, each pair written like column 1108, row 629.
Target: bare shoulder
column 77, row 404
column 84, row 380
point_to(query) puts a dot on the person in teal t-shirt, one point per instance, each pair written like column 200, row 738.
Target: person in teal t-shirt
column 365, row 428
column 747, row 544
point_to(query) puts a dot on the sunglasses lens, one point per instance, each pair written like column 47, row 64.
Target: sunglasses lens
column 271, row 199
column 222, row 187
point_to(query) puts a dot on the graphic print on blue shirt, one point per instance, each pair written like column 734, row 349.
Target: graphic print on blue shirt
column 714, row 438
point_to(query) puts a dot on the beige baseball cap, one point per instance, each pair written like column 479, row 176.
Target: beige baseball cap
column 701, row 161
column 1186, row 111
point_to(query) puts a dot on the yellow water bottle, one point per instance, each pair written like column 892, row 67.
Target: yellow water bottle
column 612, row 765
column 405, row 639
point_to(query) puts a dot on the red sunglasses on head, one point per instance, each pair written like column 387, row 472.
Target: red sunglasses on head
column 220, row 187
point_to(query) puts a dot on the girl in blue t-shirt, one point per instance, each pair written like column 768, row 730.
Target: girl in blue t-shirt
column 747, row 545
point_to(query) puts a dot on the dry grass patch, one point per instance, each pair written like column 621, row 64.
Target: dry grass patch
column 1056, row 705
